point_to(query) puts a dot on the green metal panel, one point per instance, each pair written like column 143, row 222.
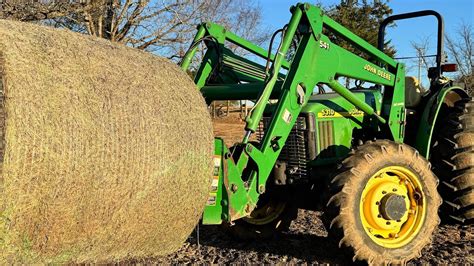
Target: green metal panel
column 332, row 110
column 353, row 66
column 429, row 117
column 217, row 199
column 247, row 91
column 393, row 106
column 358, row 42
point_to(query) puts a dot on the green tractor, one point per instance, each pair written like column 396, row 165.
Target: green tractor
column 371, row 157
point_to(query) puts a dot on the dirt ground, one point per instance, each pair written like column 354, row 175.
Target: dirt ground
column 230, row 128
column 306, row 242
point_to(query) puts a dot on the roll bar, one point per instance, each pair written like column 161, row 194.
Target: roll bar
column 440, row 45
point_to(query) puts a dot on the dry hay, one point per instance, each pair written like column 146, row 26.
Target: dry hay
column 101, row 161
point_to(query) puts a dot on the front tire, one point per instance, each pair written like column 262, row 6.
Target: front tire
column 274, row 213
column 384, row 204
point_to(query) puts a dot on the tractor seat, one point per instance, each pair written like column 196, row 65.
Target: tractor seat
column 413, row 92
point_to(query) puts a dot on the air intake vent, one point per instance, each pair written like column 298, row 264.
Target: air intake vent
column 326, row 139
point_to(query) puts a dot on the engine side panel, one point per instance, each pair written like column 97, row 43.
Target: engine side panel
column 339, row 123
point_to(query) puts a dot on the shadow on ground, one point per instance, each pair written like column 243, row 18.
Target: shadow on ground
column 306, row 242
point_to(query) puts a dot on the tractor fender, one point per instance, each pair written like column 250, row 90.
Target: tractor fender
column 448, row 95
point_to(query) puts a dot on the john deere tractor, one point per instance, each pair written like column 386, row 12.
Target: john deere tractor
column 370, row 155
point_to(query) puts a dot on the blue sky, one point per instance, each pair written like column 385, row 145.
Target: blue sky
column 276, row 14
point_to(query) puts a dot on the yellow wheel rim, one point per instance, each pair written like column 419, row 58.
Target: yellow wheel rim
column 266, row 213
column 393, row 207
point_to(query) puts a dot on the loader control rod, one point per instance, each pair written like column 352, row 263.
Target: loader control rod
column 256, row 115
column 192, row 49
column 344, row 92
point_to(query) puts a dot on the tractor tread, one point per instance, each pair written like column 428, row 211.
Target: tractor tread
column 453, row 160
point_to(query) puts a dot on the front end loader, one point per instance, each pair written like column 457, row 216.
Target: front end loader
column 369, row 156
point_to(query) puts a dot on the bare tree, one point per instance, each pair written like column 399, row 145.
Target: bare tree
column 163, row 26
column 461, row 49
column 423, row 60
column 34, row 10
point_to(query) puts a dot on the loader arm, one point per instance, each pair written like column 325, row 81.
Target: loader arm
column 242, row 172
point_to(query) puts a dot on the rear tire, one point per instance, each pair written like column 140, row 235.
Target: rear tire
column 358, row 214
column 452, row 156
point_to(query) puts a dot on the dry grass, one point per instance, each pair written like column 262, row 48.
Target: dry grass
column 100, row 161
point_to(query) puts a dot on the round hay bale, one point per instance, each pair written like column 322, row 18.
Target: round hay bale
column 106, row 151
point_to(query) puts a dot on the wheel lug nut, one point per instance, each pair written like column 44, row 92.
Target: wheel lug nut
column 417, row 196
column 384, row 192
column 377, row 203
column 394, row 190
column 388, row 223
column 379, row 216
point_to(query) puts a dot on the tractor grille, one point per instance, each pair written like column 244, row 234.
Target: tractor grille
column 295, row 152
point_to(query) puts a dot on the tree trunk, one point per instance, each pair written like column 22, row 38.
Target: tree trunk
column 108, row 19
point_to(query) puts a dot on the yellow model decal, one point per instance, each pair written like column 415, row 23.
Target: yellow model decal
column 330, row 113
column 378, row 72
